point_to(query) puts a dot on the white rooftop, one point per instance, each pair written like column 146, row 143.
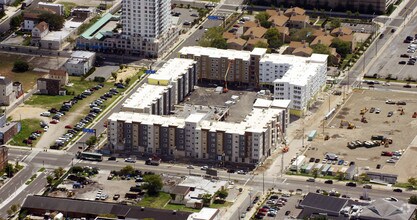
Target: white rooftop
column 143, row 97
column 276, row 103
column 258, row 51
column 172, row 69
column 195, row 118
column 82, row 54
column 202, row 185
column 214, row 52
column 301, row 68
column 204, row 214
column 147, row 119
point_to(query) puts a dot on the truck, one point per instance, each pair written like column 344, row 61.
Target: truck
column 298, row 162
column 26, row 4
column 154, row 161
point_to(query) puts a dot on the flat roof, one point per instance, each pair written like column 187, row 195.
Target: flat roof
column 216, row 53
column 82, row 54
column 143, row 97
column 172, row 69
column 323, row 203
column 204, row 214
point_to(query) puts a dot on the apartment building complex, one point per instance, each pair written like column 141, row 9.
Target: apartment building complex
column 217, row 65
column 295, row 78
column 168, row 87
column 196, row 136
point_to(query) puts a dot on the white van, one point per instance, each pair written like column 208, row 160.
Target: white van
column 46, row 114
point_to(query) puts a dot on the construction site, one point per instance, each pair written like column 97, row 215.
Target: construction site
column 373, row 129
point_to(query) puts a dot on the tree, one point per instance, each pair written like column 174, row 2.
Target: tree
column 77, row 169
column 349, row 13
column 357, row 14
column 16, row 21
column 214, row 38
column 321, row 49
column 55, row 21
column 222, row 194
column 127, row 170
column 413, row 200
column 261, row 44
column 273, row 38
column 342, row 47
column 315, row 172
column 127, row 81
column 412, row 181
column 58, row 172
column 20, row 66
column 206, row 198
column 154, row 184
column 262, row 18
column 335, row 23
column 9, row 170
column 114, row 75
column 15, row 207
column 302, row 34
column 92, row 140
column 49, row 179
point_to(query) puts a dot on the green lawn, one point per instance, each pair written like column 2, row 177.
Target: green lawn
column 28, row 126
column 155, row 202
column 78, row 86
column 180, row 208
column 217, row 206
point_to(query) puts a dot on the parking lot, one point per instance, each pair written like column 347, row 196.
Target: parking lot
column 185, row 15
column 399, row 128
column 388, row 62
column 279, row 206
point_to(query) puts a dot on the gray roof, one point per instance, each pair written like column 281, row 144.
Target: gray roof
column 323, row 204
column 96, row 208
column 389, row 210
column 5, row 81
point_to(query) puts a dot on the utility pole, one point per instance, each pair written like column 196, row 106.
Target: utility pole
column 263, row 182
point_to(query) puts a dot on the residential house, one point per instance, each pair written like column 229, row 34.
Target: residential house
column 294, row 11
column 18, row 89
column 318, row 32
column 334, row 57
column 323, row 39
column 31, row 18
column 7, row 95
column 249, row 24
column 80, row 63
column 228, row 35
column 178, row 194
column 250, row 44
column 272, row 12
column 279, row 20
column 304, row 51
column 388, row 210
column 285, row 33
column 236, row 43
column 7, row 132
column 60, row 75
column 299, row 21
column 4, row 157
column 340, row 31
column 40, row 31
column 293, row 45
column 49, row 86
column 255, row 32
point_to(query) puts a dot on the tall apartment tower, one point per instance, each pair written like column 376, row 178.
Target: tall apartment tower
column 146, row 23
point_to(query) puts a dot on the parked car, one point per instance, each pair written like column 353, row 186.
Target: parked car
column 328, row 182
column 397, row 190
column 311, row 180
column 351, row 184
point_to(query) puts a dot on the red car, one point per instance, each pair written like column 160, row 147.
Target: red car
column 68, row 126
column 54, row 122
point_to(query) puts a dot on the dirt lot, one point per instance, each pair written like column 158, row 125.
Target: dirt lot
column 400, row 128
column 28, row 79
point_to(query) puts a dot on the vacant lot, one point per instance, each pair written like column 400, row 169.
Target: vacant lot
column 28, row 79
column 28, row 126
column 400, row 128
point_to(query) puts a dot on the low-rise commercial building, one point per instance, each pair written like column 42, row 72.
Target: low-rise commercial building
column 80, row 63
column 48, row 86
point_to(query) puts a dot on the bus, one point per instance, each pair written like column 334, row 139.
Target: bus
column 90, row 156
